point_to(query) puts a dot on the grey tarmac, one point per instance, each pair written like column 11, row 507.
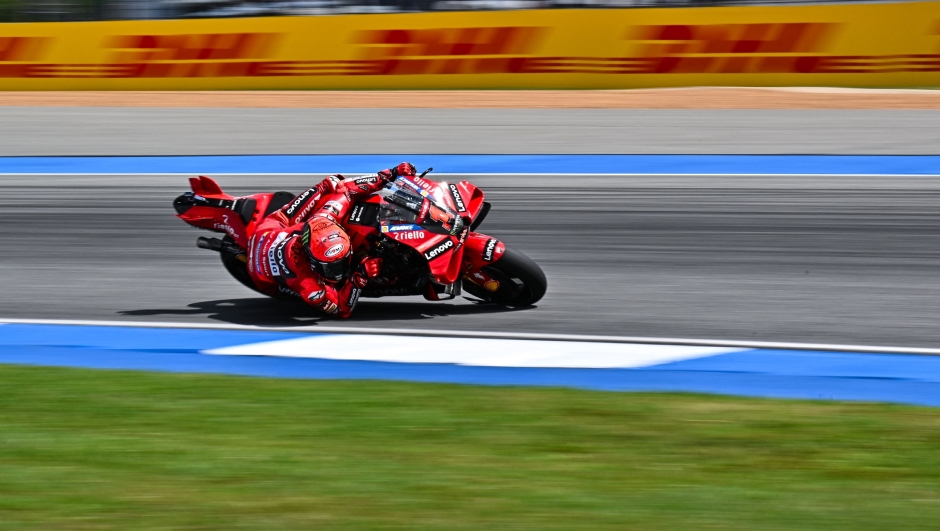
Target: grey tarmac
column 56, row 131
column 850, row 260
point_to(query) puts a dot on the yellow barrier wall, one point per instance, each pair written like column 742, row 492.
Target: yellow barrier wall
column 865, row 45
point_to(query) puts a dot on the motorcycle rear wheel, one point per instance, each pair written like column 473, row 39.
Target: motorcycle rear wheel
column 237, row 266
column 521, row 281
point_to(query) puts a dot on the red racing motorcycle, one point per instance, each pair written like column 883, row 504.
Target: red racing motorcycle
column 424, row 232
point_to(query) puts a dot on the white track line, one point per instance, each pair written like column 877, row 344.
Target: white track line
column 474, row 351
column 490, row 335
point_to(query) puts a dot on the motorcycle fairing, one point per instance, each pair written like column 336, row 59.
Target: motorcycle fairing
column 444, row 255
column 411, row 212
column 472, row 199
column 482, row 250
column 418, row 213
column 208, row 207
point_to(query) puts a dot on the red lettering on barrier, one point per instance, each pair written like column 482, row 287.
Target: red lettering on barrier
column 788, row 48
column 797, row 37
column 192, row 47
column 733, row 48
column 22, row 48
column 400, row 43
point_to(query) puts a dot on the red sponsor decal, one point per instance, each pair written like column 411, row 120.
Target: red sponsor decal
column 425, row 205
column 22, row 48
column 192, row 47
column 444, row 42
column 732, row 48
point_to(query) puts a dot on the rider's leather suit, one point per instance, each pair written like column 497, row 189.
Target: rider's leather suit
column 276, row 259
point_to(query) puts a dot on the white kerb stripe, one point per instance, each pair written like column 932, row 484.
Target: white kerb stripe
column 475, row 352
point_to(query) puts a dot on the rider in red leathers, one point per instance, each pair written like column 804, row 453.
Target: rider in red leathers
column 303, row 250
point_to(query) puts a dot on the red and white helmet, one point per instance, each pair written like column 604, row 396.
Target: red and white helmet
column 328, row 248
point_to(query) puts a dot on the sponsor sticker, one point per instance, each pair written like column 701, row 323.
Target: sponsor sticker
column 225, row 227
column 272, row 257
column 356, row 215
column 489, row 249
column 491, row 285
column 366, row 180
column 439, row 250
column 458, row 199
column 353, row 298
column 292, row 209
column 306, row 210
column 421, row 182
column 411, row 185
column 287, row 291
column 334, row 207
column 400, row 228
column 316, row 296
column 425, row 206
column 280, row 255
column 335, row 250
column 410, row 235
column 256, row 251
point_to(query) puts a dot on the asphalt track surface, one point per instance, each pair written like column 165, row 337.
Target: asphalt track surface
column 57, row 131
column 797, row 259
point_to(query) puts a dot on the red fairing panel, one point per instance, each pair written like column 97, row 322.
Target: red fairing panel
column 473, row 198
column 216, row 219
column 465, row 198
column 444, row 255
column 482, row 250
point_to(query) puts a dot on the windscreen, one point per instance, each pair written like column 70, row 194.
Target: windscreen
column 405, row 202
column 399, row 205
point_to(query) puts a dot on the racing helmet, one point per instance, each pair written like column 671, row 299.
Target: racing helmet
column 328, row 248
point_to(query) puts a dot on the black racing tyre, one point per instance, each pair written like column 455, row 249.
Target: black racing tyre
column 237, row 266
column 521, row 281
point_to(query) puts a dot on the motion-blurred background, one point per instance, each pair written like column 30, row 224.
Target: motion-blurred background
column 70, row 10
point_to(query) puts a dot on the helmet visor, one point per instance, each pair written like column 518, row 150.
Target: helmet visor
column 332, row 270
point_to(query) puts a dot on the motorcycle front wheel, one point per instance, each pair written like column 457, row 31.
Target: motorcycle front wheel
column 521, row 281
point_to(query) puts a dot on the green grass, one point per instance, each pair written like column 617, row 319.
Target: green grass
column 83, row 450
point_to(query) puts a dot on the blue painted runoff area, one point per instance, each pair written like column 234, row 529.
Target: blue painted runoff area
column 758, row 373
column 487, row 164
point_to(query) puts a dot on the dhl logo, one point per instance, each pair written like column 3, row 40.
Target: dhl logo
column 478, row 50
column 150, row 56
column 198, row 47
column 193, row 55
column 798, row 37
column 733, row 48
column 760, row 48
column 392, row 43
column 22, row 48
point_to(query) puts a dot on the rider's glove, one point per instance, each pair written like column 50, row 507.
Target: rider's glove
column 371, row 266
column 405, row 169
column 368, row 268
column 387, row 175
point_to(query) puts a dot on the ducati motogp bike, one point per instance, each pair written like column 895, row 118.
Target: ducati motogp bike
column 424, row 231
